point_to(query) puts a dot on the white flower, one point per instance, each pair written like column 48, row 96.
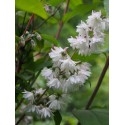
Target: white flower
column 31, row 108
column 82, row 29
column 39, row 91
column 55, row 104
column 74, row 79
column 54, row 83
column 77, row 79
column 47, row 73
column 95, row 21
column 66, row 86
column 76, row 42
column 56, row 53
column 84, row 70
column 28, row 95
column 52, row 97
column 45, row 112
column 68, row 65
column 71, row 86
column 87, row 45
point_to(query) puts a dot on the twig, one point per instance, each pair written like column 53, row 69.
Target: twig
column 20, row 119
column 43, row 94
column 19, row 64
column 18, row 105
column 98, row 84
column 48, row 17
column 35, row 78
column 61, row 22
column 30, row 21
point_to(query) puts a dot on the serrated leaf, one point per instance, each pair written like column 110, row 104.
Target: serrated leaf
column 92, row 117
column 50, row 39
column 57, row 117
column 32, row 6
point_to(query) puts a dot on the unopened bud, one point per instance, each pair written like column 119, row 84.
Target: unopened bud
column 22, row 41
column 27, row 32
column 47, row 8
column 33, row 43
column 38, row 36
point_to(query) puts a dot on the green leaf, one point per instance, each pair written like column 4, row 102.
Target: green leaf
column 50, row 39
column 37, row 65
column 79, row 10
column 106, row 6
column 32, row 6
column 24, row 76
column 54, row 2
column 57, row 117
column 17, row 38
column 92, row 117
column 73, row 3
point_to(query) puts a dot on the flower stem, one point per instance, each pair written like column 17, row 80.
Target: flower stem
column 98, row 84
column 30, row 21
column 61, row 22
column 37, row 27
column 20, row 119
column 43, row 94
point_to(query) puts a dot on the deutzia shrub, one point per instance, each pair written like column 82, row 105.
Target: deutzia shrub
column 66, row 75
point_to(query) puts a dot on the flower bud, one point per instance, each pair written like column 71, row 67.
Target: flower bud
column 22, row 41
column 33, row 43
column 38, row 36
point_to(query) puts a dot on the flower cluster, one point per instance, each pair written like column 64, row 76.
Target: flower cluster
column 90, row 34
column 44, row 105
column 65, row 73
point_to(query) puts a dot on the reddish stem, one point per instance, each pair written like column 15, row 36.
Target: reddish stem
column 61, row 22
column 30, row 21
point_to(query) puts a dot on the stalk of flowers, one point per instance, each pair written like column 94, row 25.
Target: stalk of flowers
column 67, row 75
column 90, row 34
column 64, row 75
